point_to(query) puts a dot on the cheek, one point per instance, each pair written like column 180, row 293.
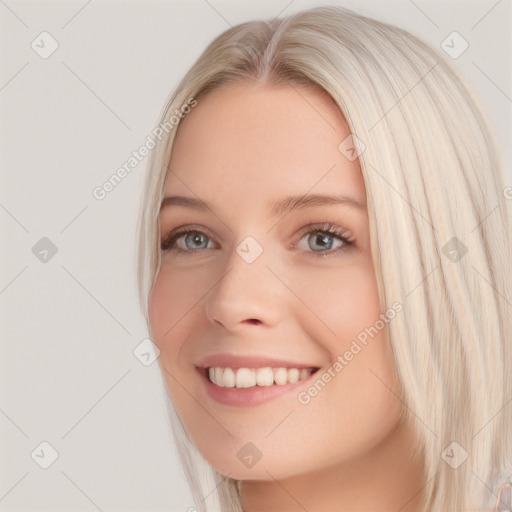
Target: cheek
column 161, row 309
column 361, row 400
column 344, row 299
column 171, row 319
column 174, row 295
column 171, row 303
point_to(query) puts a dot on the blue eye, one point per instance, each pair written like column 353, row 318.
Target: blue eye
column 194, row 241
column 327, row 239
column 186, row 241
column 321, row 241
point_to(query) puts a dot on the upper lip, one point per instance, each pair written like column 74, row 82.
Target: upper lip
column 248, row 361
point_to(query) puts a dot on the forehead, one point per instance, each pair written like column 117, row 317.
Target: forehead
column 243, row 142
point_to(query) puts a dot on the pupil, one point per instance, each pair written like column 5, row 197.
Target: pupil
column 196, row 240
column 324, row 241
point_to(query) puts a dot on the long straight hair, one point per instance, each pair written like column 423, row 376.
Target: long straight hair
column 440, row 233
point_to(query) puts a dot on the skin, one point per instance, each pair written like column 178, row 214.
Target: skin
column 245, row 145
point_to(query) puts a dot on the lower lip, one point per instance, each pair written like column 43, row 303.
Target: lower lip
column 256, row 395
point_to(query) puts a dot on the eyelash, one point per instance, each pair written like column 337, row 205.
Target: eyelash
column 345, row 236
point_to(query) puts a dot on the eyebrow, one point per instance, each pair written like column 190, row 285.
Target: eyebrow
column 276, row 208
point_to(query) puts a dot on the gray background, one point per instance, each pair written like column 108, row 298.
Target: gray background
column 69, row 325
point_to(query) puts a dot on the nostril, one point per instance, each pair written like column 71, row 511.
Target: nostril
column 253, row 321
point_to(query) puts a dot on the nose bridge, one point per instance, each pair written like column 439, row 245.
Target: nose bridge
column 248, row 290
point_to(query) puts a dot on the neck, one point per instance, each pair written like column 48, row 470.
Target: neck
column 388, row 479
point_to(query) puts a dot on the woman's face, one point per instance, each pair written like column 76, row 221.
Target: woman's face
column 249, row 285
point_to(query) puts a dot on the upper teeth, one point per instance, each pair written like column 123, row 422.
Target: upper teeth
column 249, row 377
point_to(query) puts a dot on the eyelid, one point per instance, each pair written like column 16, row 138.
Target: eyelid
column 328, row 227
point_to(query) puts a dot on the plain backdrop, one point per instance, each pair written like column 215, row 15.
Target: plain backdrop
column 70, row 320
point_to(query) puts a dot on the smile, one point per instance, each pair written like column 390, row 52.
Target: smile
column 256, row 377
column 247, row 387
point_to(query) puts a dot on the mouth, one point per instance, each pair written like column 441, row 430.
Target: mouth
column 247, row 387
column 243, row 378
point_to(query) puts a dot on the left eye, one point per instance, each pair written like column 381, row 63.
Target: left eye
column 329, row 240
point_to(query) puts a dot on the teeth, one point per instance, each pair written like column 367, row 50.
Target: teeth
column 304, row 373
column 251, row 377
column 218, row 375
column 228, row 378
column 293, row 375
column 281, row 376
column 264, row 377
column 245, row 378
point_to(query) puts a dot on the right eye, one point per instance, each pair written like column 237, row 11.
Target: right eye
column 186, row 241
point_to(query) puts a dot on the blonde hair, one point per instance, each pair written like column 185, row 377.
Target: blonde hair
column 431, row 174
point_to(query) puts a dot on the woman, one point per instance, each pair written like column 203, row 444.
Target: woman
column 324, row 246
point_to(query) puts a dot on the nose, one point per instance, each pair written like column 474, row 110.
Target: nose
column 248, row 294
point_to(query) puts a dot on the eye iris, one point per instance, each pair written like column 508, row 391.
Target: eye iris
column 325, row 241
column 197, row 241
